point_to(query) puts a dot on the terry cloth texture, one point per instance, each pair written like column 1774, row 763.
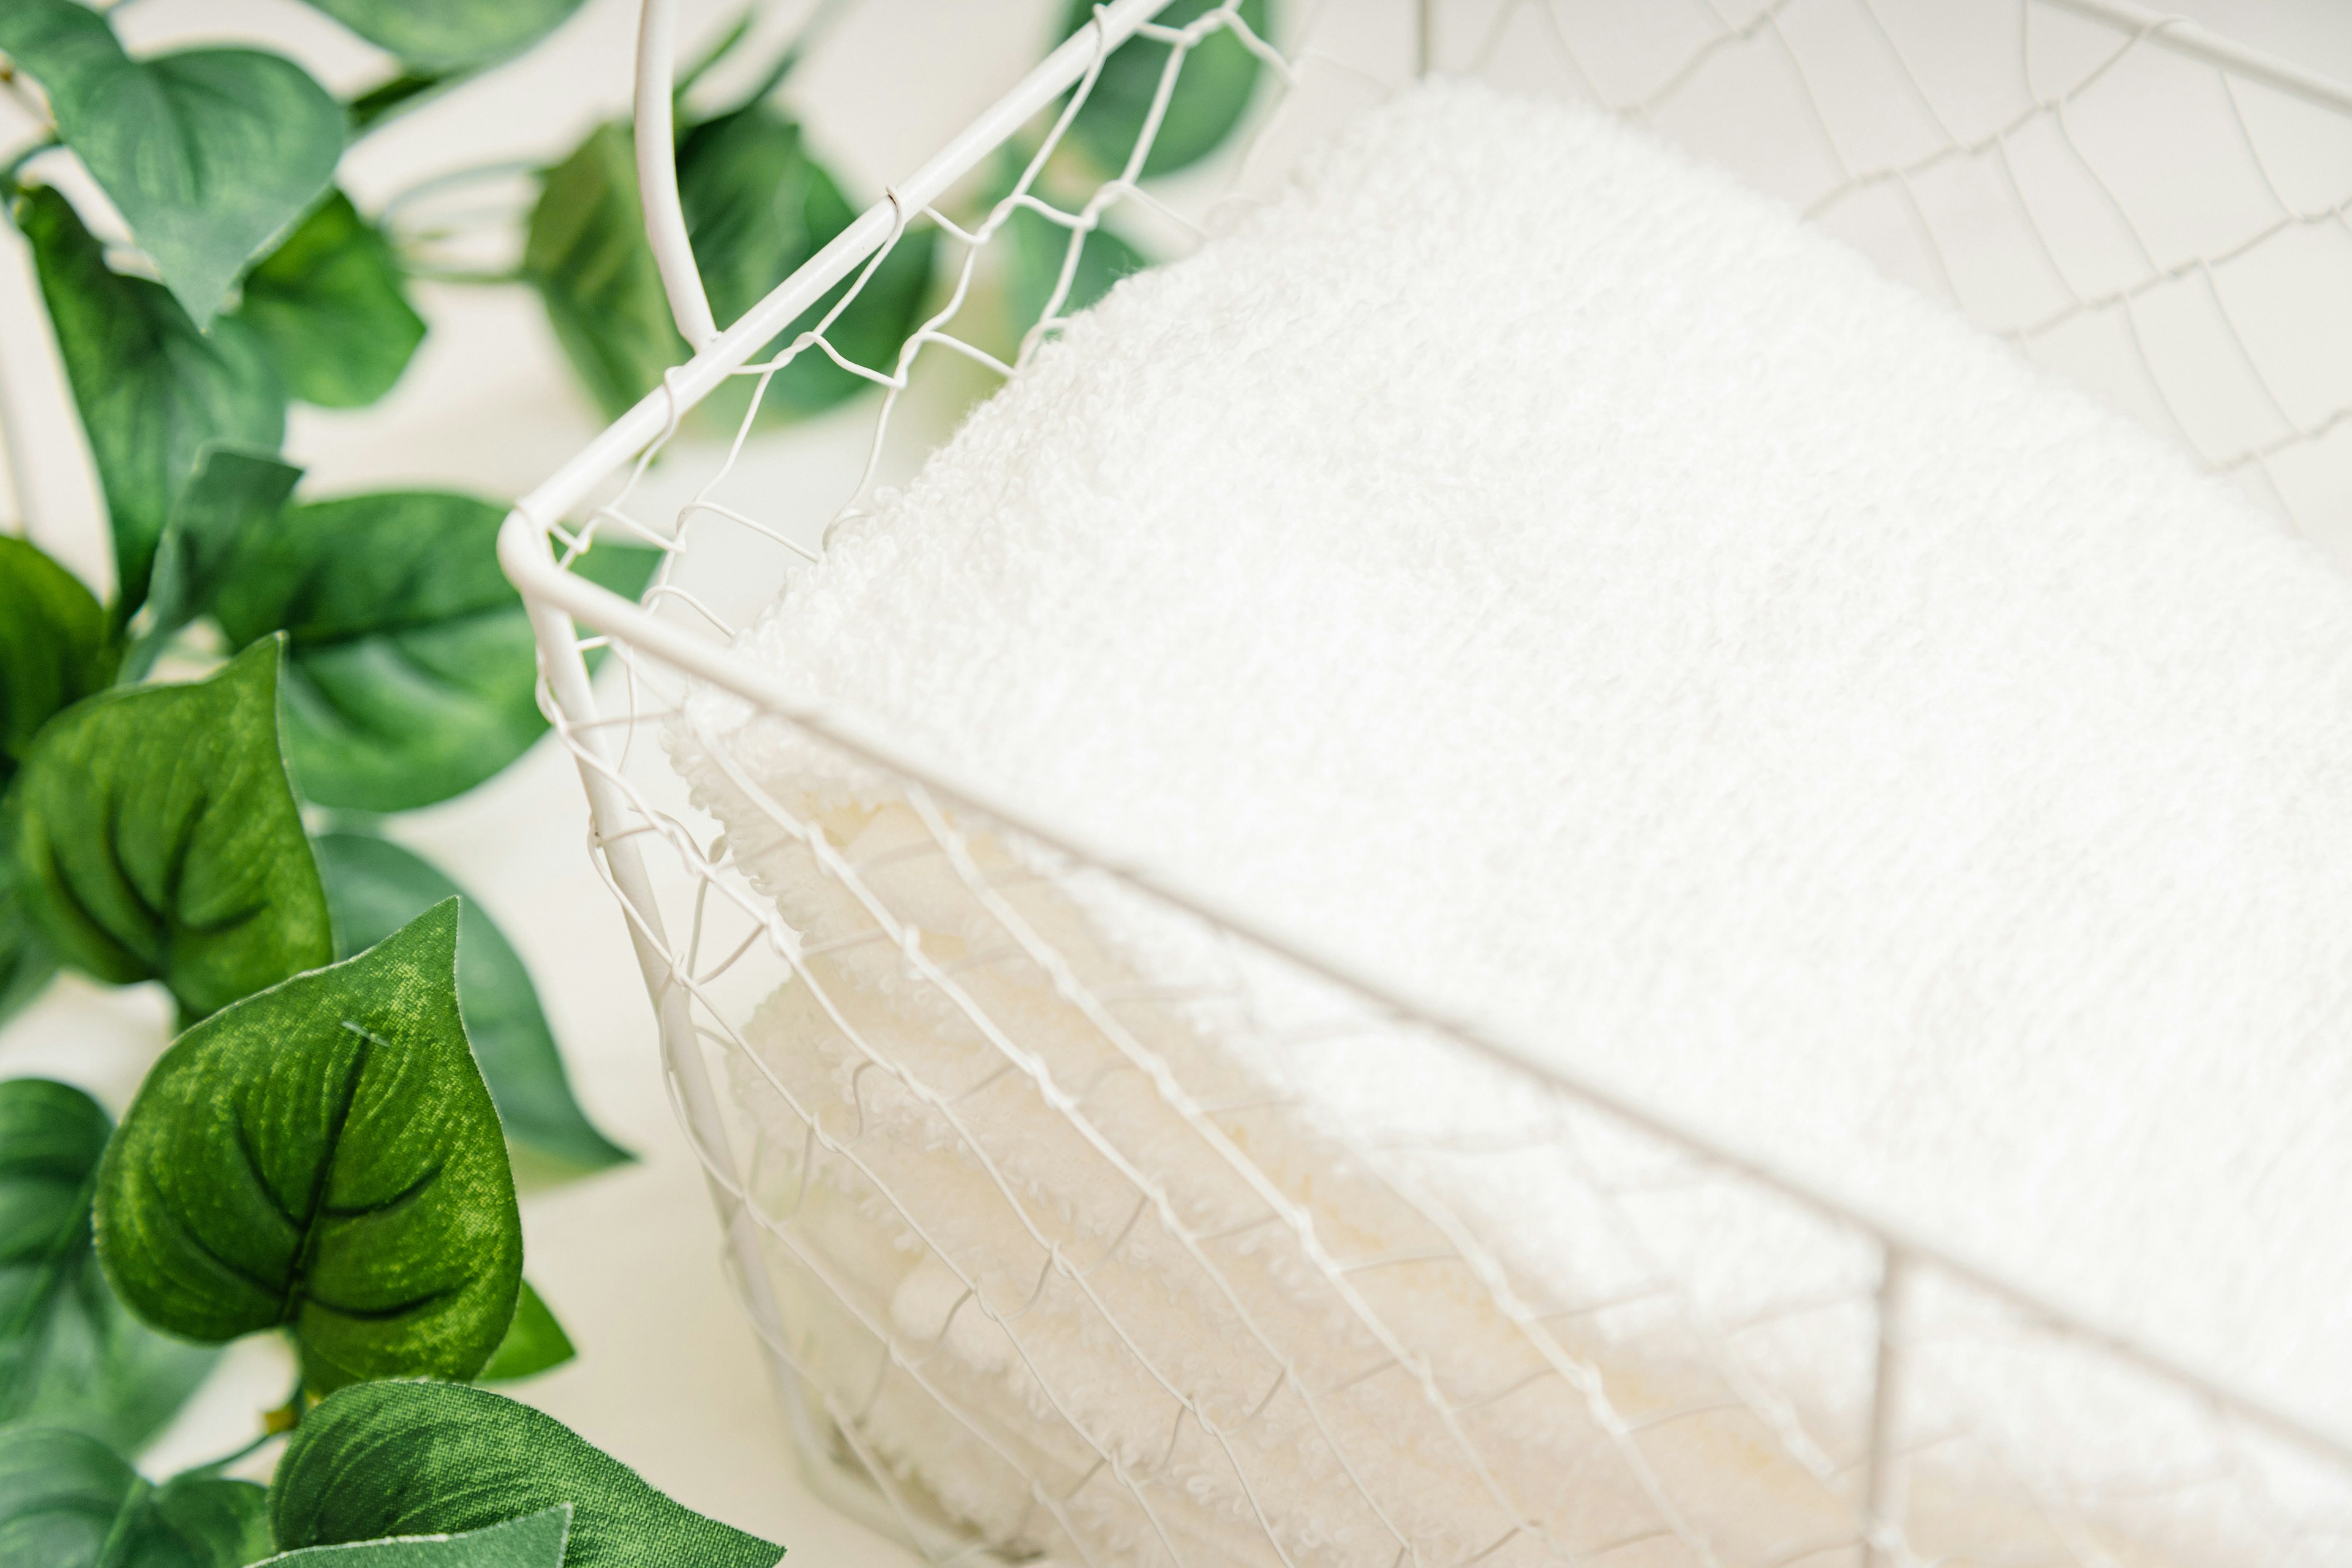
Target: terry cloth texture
column 1540, row 572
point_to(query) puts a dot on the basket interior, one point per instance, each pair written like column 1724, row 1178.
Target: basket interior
column 2169, row 232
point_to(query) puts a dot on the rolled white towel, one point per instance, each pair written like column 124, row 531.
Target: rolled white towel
column 1545, row 574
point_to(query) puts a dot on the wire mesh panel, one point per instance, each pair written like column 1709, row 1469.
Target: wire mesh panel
column 1159, row 1250
column 2166, row 228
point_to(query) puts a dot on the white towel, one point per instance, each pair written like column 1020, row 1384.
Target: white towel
column 1545, row 574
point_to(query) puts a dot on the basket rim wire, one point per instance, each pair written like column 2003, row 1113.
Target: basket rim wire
column 534, row 546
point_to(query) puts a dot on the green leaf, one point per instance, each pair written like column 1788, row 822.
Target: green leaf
column 586, row 254
column 60, row 1494
column 757, row 205
column 534, row 1541
column 109, row 1375
column 374, row 887
column 404, row 718
column 70, row 1355
column 411, row 676
column 66, row 1501
column 54, row 648
column 1038, row 249
column 323, row 1157
column 26, row 961
column 152, row 389
column 207, row 153
column 421, row 1458
column 231, row 498
column 205, row 1521
column 367, row 566
column 329, row 306
column 440, row 34
column 1213, row 87
column 535, row 1342
column 389, row 99
column 159, row 840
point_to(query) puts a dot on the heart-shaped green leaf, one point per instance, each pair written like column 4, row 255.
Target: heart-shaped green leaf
column 158, row 839
column 374, row 887
column 152, row 389
column 70, row 1355
column 68, row 1500
column 323, row 1157
column 535, row 1342
column 328, row 305
column 233, row 495
column 441, row 34
column 534, row 1541
column 54, row 648
column 411, row 676
column 419, row 1458
column 757, row 205
column 1212, row 89
column 585, row 253
column 207, row 153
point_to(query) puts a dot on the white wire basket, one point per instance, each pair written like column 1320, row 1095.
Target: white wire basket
column 2192, row 265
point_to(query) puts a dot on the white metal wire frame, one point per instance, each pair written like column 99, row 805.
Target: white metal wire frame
column 1853, row 1401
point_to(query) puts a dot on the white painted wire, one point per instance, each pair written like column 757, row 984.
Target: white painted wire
column 1911, row 1332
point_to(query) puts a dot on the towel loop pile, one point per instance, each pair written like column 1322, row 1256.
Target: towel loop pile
column 1613, row 612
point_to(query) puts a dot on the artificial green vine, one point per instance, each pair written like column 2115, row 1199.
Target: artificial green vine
column 324, row 1151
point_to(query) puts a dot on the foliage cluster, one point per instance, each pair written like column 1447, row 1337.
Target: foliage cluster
column 192, row 773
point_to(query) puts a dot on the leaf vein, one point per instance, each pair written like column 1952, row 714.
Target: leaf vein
column 392, row 1312
column 260, row 1181
column 313, row 1226
column 406, row 1194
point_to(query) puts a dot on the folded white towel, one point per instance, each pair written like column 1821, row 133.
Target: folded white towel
column 1542, row 572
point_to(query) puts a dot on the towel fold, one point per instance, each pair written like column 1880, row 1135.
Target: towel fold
column 1547, row 575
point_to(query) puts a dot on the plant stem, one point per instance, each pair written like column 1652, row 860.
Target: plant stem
column 714, row 53
column 466, row 274
column 389, row 99
column 119, row 1532
column 274, row 1424
column 821, row 16
column 14, row 87
column 826, row 14
column 16, row 164
column 214, row 1467
column 452, row 177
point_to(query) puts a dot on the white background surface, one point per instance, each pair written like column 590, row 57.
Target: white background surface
column 667, row 1378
